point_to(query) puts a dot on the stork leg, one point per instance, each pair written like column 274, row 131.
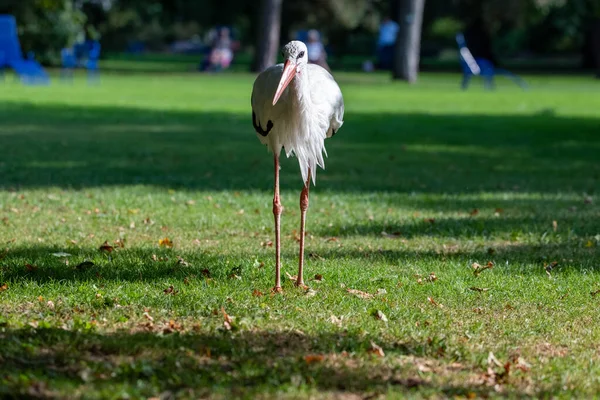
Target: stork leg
column 277, row 209
column 303, row 208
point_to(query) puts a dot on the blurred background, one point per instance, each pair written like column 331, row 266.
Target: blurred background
column 355, row 35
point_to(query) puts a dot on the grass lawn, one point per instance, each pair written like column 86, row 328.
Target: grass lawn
column 421, row 183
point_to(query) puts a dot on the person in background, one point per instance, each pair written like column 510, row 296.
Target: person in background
column 388, row 31
column 221, row 51
column 316, row 50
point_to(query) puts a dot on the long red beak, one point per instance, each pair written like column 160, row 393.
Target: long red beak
column 289, row 71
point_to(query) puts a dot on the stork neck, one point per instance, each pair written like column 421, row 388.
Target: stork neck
column 301, row 87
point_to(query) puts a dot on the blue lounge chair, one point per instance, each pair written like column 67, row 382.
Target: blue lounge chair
column 85, row 55
column 483, row 67
column 28, row 70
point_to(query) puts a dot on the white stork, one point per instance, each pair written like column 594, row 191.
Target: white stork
column 296, row 105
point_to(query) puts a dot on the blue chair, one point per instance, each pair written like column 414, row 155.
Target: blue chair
column 85, row 55
column 27, row 69
column 483, row 67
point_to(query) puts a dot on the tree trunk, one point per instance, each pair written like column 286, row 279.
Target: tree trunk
column 408, row 43
column 267, row 44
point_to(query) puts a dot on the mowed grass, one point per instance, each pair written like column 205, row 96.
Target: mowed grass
column 421, row 183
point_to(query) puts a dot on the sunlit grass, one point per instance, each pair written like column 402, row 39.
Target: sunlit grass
column 421, row 183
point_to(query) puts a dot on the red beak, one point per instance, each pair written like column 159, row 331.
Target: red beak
column 289, row 71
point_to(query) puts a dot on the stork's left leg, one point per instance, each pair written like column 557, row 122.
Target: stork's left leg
column 303, row 208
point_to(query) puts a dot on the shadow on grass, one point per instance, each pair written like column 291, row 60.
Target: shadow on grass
column 242, row 363
column 80, row 147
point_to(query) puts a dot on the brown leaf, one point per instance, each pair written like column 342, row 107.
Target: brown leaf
column 594, row 293
column 291, row 277
column 430, row 220
column 227, row 320
column 477, row 289
column 120, row 243
column 474, row 212
column 206, row 273
column 498, row 211
column 432, row 301
column 257, row 293
column 332, row 239
column 335, row 320
column 50, row 304
column 30, row 267
column 165, row 242
column 377, row 350
column 432, row 277
column 148, row 316
column 268, row 243
column 3, row 287
column 313, row 358
column 106, row 247
column 477, row 268
column 171, row 290
column 360, row 293
column 318, row 277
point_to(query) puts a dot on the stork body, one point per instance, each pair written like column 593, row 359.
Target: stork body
column 296, row 106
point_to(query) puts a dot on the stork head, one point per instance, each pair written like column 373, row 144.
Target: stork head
column 295, row 56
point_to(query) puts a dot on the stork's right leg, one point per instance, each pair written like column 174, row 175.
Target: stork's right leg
column 277, row 209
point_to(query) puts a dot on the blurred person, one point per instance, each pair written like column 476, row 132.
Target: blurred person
column 316, row 50
column 221, row 52
column 388, row 31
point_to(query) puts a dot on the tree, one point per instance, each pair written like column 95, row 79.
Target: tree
column 269, row 28
column 408, row 43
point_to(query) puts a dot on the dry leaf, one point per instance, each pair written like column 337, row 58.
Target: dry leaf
column 206, row 273
column 474, row 212
column 50, row 304
column 257, row 293
column 30, row 267
column 171, row 290
column 181, row 261
column 120, row 243
column 430, row 220
column 291, row 277
column 380, row 316
column 477, row 289
column 268, row 243
column 360, row 293
column 3, row 287
column 148, row 316
column 377, row 350
column 313, row 358
column 318, row 277
column 477, row 268
column 554, row 225
column 335, row 320
column 309, row 292
column 594, row 293
column 165, row 242
column 227, row 320
column 105, row 247
column 380, row 292
column 432, row 277
column 432, row 301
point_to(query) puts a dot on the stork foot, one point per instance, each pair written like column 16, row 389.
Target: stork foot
column 300, row 283
column 277, row 289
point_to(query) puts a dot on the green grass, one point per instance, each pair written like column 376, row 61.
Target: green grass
column 144, row 157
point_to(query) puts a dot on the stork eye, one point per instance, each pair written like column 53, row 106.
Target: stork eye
column 301, row 54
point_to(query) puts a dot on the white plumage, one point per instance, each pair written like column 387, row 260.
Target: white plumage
column 309, row 110
column 296, row 106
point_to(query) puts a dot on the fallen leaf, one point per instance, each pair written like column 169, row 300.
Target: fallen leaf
column 432, row 301
column 268, row 243
column 477, row 289
column 318, row 277
column 313, row 358
column 50, row 304
column 332, row 239
column 190, row 202
column 120, row 243
column 474, row 212
column 432, row 277
column 594, row 293
column 83, row 265
column 257, row 293
column 30, row 267
column 165, row 242
column 3, row 287
column 554, row 225
column 206, row 273
column 227, row 320
column 360, row 293
column 309, row 292
column 377, row 350
column 171, row 290
column 430, row 220
column 589, row 244
column 315, row 256
column 380, row 292
column 477, row 268
column 106, row 247
column 181, row 261
column 335, row 320
column 380, row 316
column 148, row 316
column 291, row 277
